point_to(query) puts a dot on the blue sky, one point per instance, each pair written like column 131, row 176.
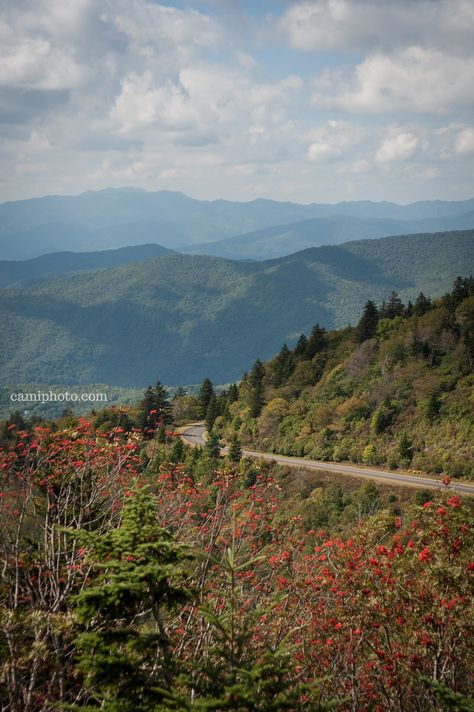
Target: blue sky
column 322, row 100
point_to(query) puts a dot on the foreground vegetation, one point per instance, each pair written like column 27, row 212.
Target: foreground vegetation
column 139, row 575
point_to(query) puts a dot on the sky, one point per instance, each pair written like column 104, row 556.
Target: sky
column 313, row 101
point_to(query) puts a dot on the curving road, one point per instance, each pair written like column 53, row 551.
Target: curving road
column 194, row 435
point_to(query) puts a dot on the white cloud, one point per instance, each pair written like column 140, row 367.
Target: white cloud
column 203, row 104
column 36, row 64
column 397, row 146
column 113, row 92
column 359, row 166
column 141, row 104
column 159, row 26
column 320, row 152
column 365, row 25
column 333, row 140
column 415, row 79
column 465, row 142
column 37, row 52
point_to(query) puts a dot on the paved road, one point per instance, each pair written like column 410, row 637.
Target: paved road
column 194, row 435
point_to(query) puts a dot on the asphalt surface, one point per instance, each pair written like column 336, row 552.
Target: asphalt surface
column 194, row 435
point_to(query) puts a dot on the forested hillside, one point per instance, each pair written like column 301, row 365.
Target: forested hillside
column 184, row 317
column 17, row 271
column 395, row 390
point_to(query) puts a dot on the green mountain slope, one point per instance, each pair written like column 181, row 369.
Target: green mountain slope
column 181, row 317
column 12, row 272
column 397, row 390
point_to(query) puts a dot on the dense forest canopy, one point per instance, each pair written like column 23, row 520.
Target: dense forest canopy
column 186, row 317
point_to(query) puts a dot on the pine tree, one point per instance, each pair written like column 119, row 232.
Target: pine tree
column 154, row 409
column 212, row 448
column 178, row 452
column 463, row 287
column 123, row 649
column 222, row 404
column 206, row 392
column 212, row 412
column 283, row 366
column 235, row 448
column 316, row 341
column 301, row 348
column 368, row 322
column 232, row 393
column 393, row 307
column 422, row 305
column 236, row 677
column 180, row 392
column 255, row 380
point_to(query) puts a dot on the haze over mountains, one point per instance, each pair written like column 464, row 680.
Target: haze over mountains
column 183, row 317
column 110, row 219
column 282, row 240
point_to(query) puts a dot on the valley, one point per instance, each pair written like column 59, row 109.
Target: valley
column 187, row 316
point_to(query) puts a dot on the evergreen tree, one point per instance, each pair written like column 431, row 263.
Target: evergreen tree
column 206, row 392
column 212, row 448
column 180, row 392
column 463, row 287
column 123, row 648
column 316, row 341
column 212, row 412
column 222, row 404
column 178, row 452
column 235, row 448
column 232, row 393
column 236, row 678
column 368, row 322
column 301, row 348
column 154, row 409
column 422, row 305
column 283, row 366
column 255, row 381
column 392, row 308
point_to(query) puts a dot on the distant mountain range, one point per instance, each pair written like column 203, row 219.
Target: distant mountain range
column 180, row 318
column 282, row 240
column 110, row 219
column 16, row 272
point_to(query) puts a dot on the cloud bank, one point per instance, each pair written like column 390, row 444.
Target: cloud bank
column 326, row 100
